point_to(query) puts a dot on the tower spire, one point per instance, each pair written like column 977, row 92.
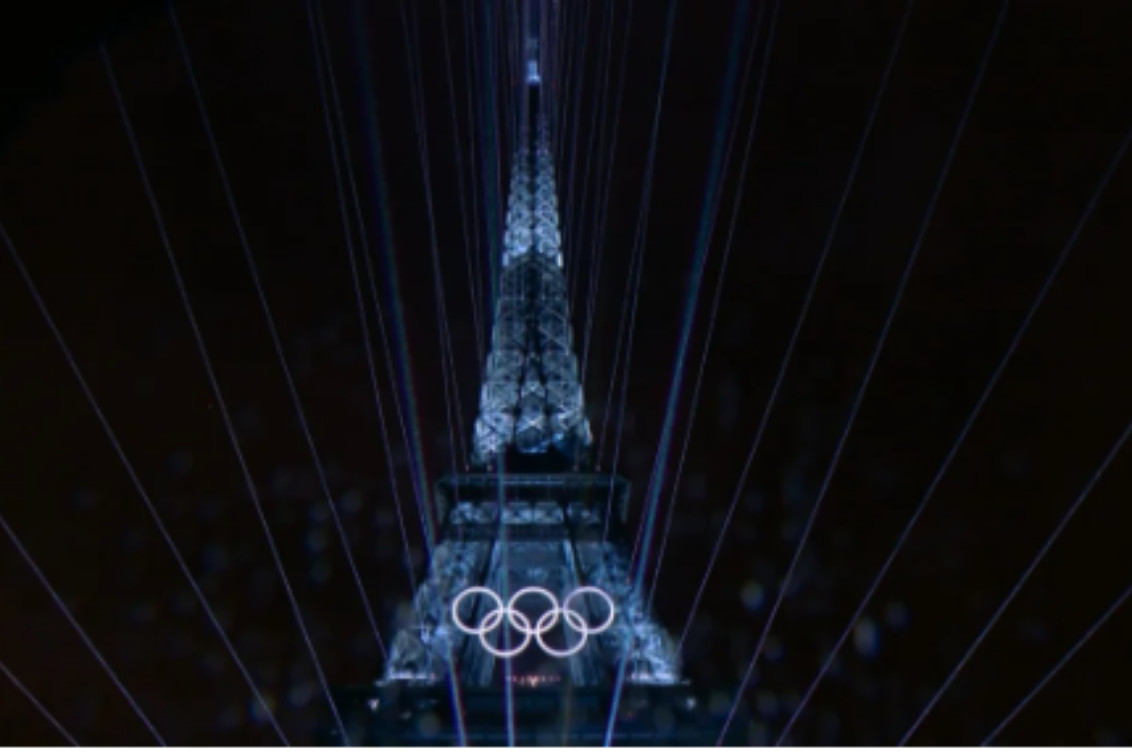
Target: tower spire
column 531, row 400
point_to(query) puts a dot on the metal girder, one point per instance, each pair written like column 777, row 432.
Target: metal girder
column 531, row 399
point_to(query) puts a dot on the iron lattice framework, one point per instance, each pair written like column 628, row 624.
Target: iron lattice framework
column 544, row 535
column 531, row 396
column 509, row 532
column 527, row 626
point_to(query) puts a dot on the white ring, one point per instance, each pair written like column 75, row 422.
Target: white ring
column 482, row 628
column 601, row 594
column 518, row 621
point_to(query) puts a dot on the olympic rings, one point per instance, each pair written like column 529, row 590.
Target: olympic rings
column 493, row 619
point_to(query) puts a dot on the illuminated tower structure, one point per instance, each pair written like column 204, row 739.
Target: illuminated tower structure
column 527, row 627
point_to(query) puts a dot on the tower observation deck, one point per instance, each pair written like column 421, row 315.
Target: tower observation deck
column 527, row 627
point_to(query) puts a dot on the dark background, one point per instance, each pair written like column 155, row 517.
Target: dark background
column 1051, row 112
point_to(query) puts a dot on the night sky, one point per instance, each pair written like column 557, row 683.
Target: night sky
column 1050, row 114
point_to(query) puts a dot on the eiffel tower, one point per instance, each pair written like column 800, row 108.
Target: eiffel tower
column 528, row 628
